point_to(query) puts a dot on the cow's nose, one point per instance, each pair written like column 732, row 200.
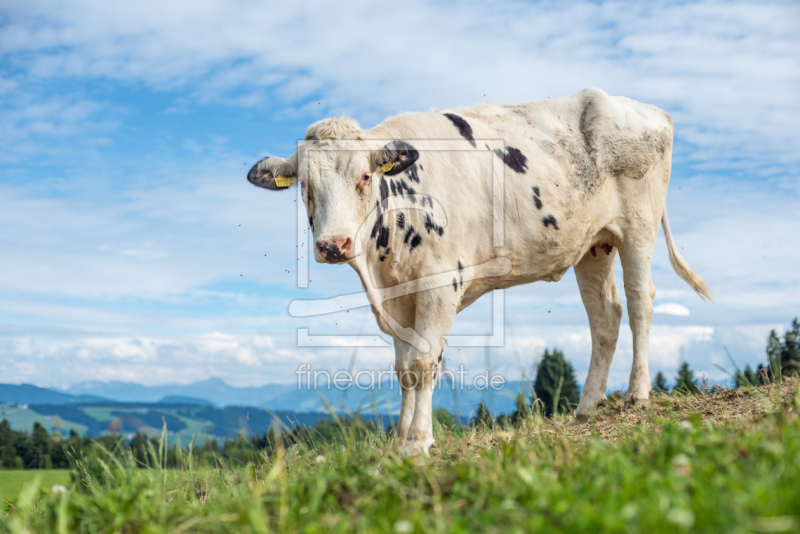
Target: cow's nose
column 335, row 250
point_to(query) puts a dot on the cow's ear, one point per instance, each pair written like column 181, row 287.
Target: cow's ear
column 274, row 173
column 393, row 158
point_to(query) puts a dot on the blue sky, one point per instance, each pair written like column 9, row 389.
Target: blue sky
column 133, row 248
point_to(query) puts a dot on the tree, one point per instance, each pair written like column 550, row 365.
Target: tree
column 555, row 383
column 790, row 350
column 523, row 410
column 444, row 418
column 774, row 355
column 483, row 418
column 783, row 357
column 8, row 452
column 747, row 378
column 40, row 445
column 661, row 383
column 685, row 380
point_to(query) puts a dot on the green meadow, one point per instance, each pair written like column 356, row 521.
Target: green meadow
column 12, row 482
column 728, row 461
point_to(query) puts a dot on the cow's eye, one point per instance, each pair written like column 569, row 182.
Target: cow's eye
column 365, row 177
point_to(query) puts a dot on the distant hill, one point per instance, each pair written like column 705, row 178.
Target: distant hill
column 29, row 394
column 180, row 399
column 187, row 421
column 213, row 393
column 213, row 390
column 385, row 398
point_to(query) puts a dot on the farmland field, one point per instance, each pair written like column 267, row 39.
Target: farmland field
column 724, row 462
column 12, row 482
column 23, row 419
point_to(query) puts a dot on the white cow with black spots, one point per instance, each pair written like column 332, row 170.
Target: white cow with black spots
column 412, row 206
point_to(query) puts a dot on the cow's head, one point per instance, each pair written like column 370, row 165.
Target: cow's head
column 340, row 175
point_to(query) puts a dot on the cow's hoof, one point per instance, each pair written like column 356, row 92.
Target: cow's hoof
column 587, row 408
column 632, row 404
column 582, row 419
column 415, row 448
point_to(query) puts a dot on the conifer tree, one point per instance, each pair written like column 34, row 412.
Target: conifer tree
column 523, row 410
column 685, row 380
column 483, row 418
column 555, row 383
column 774, row 350
column 790, row 350
column 660, row 383
column 747, row 377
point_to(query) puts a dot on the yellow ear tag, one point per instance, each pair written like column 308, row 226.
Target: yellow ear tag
column 282, row 181
column 386, row 167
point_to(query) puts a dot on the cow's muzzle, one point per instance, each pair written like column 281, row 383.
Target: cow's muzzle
column 334, row 250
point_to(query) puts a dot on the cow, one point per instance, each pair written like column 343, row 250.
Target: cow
column 435, row 209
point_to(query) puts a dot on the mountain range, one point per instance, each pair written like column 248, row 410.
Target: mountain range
column 384, row 398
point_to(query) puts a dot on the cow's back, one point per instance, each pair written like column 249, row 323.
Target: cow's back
column 571, row 166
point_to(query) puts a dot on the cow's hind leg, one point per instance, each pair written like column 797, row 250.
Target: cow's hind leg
column 639, row 293
column 595, row 275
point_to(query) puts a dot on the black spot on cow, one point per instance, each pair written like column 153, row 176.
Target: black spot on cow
column 463, row 127
column 401, row 220
column 409, row 233
column 378, row 221
column 512, row 157
column 455, row 284
column 394, row 187
column 460, row 267
column 384, row 190
column 411, row 172
column 381, row 258
column 536, row 200
column 416, row 241
column 311, row 221
column 440, row 357
column 376, row 227
column 402, row 186
column 332, row 253
column 430, row 224
column 547, row 221
column 383, row 238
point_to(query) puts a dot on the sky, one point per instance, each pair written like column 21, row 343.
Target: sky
column 133, row 248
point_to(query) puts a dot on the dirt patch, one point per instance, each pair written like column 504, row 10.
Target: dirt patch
column 612, row 423
column 717, row 406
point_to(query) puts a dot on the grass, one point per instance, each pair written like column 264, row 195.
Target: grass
column 726, row 462
column 13, row 482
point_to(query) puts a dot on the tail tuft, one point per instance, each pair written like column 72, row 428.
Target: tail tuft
column 680, row 265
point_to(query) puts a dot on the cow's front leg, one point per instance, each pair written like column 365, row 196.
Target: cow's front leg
column 406, row 378
column 436, row 310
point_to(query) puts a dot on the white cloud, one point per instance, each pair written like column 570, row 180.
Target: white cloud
column 87, row 280
column 727, row 72
column 672, row 308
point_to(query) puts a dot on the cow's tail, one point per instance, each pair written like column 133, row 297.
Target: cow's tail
column 680, row 265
